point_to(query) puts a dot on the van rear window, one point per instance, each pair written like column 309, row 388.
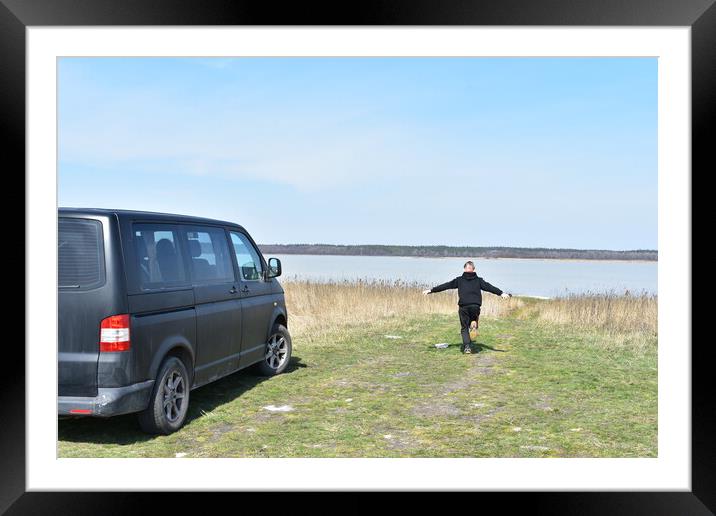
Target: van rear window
column 80, row 254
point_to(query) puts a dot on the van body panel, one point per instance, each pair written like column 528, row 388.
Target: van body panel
column 108, row 401
column 152, row 336
column 257, row 304
column 161, row 301
column 261, row 307
column 257, row 353
column 257, row 308
column 80, row 311
column 218, row 326
column 216, row 299
column 174, row 344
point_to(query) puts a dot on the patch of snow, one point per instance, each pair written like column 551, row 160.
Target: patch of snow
column 393, row 336
column 180, row 455
column 282, row 408
column 442, row 345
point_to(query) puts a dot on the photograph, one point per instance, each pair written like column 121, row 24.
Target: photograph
column 357, row 257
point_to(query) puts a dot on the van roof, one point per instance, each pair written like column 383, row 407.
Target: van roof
column 146, row 215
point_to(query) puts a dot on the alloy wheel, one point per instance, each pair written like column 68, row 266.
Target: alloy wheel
column 276, row 351
column 174, row 393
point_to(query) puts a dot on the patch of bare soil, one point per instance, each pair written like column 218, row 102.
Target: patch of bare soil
column 441, row 406
column 431, row 408
column 544, row 403
column 398, row 440
column 218, row 431
column 483, row 416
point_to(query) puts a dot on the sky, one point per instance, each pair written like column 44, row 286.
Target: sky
column 525, row 152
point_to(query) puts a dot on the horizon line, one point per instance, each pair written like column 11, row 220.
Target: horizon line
column 469, row 246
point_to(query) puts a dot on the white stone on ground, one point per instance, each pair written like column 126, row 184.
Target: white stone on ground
column 180, row 455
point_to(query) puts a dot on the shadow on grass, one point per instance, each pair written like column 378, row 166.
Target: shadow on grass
column 479, row 346
column 476, row 347
column 125, row 429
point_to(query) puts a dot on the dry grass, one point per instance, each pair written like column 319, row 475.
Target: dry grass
column 612, row 313
column 315, row 307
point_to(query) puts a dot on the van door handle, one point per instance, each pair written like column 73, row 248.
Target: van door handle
column 232, row 290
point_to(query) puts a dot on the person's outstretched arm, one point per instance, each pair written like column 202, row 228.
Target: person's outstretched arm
column 444, row 286
column 484, row 285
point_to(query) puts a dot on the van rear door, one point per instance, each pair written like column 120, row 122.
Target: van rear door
column 90, row 288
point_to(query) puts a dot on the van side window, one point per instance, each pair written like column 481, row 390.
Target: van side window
column 246, row 257
column 158, row 255
column 209, row 255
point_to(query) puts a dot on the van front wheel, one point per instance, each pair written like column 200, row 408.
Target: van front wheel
column 277, row 353
column 168, row 405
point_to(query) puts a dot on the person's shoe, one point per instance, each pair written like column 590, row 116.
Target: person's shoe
column 467, row 350
column 473, row 331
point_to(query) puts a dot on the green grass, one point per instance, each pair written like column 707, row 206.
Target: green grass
column 532, row 390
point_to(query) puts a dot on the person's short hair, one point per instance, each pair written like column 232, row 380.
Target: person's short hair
column 468, row 263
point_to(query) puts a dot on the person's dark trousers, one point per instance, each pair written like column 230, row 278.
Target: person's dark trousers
column 467, row 314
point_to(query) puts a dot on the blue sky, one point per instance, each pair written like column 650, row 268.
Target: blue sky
column 536, row 152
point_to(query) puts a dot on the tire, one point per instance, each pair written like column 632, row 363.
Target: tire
column 278, row 352
column 160, row 417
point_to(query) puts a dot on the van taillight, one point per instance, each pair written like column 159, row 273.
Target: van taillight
column 114, row 333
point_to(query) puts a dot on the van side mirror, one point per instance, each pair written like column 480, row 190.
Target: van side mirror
column 274, row 268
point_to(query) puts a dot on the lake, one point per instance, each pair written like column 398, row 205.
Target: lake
column 547, row 278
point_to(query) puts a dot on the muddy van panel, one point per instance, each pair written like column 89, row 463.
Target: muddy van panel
column 91, row 287
column 155, row 335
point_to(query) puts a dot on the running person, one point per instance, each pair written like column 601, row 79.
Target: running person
column 469, row 288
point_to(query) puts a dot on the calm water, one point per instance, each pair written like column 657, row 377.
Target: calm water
column 547, row 278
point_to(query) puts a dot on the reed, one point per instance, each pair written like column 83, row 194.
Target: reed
column 610, row 312
column 316, row 307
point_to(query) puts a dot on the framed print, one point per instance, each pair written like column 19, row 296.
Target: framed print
column 343, row 138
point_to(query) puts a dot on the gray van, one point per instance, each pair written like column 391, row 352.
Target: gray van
column 153, row 305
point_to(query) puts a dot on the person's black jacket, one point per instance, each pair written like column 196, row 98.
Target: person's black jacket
column 469, row 288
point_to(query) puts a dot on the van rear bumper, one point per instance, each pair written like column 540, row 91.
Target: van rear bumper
column 112, row 401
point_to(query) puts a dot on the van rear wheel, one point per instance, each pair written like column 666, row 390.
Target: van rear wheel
column 277, row 353
column 169, row 402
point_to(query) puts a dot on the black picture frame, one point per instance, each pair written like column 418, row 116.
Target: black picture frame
column 700, row 15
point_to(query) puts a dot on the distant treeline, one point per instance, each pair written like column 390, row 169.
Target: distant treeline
column 442, row 251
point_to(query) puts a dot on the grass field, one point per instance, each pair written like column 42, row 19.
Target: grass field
column 367, row 381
